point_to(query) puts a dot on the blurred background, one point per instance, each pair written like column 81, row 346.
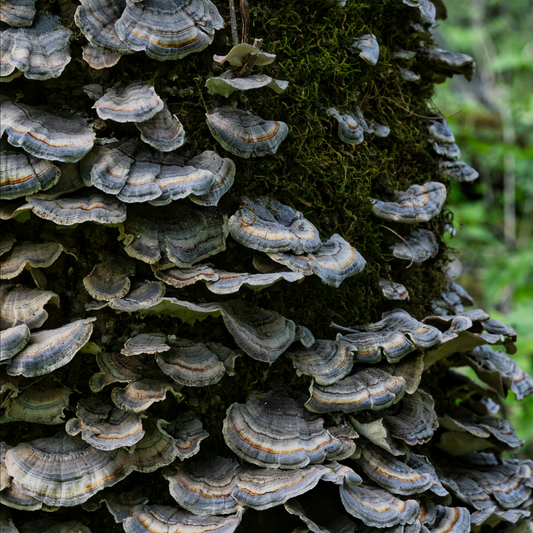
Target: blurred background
column 493, row 216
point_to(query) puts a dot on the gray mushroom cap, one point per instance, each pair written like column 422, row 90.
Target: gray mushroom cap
column 273, row 430
column 228, row 83
column 264, row 335
column 333, row 262
column 146, row 343
column 371, row 388
column 42, row 51
column 420, row 463
column 109, row 280
column 205, row 487
column 163, row 131
column 419, row 203
column 244, row 134
column 420, row 246
column 141, row 394
column 350, row 128
column 183, row 277
column 376, row 507
column 51, row 349
column 13, row 340
column 427, row 9
column 269, row 226
column 448, row 63
column 96, row 19
column 168, row 30
column 392, row 290
column 136, row 102
column 46, row 135
column 22, row 174
column 35, row 255
column 231, row 282
column 64, row 470
column 99, row 59
column 368, row 48
column 458, row 170
column 18, row 13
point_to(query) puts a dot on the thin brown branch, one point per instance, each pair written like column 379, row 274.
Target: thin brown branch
column 245, row 14
column 233, row 20
column 422, row 116
column 250, row 62
column 400, row 237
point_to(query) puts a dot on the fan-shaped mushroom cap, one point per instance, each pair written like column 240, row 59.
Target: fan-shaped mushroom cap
column 109, row 280
column 391, row 474
column 239, row 54
column 448, row 63
column 64, row 470
column 394, row 336
column 188, row 435
column 51, row 349
column 103, row 426
column 96, row 207
column 326, row 361
column 262, row 489
column 12, row 340
column 350, row 128
column 14, row 498
column 184, row 234
column 368, row 48
column 136, row 102
column 22, row 174
column 163, row 131
column 273, row 430
column 41, row 51
column 229, row 83
column 458, row 170
column 269, row 226
column 392, row 290
column 146, row 343
column 231, row 282
column 427, row 9
column 183, row 277
column 451, row 520
column 6, row 242
column 162, row 519
column 168, row 30
column 244, row 134
column 96, row 19
column 409, row 75
column 69, row 181
column 419, row 203
column 36, row 404
column 205, row 487
column 333, row 262
column 191, row 364
column 142, row 296
column 36, row 255
column 446, row 149
column 264, row 335
column 22, row 306
column 65, row 137
column 99, row 59
column 377, row 507
column 499, row 371
column 421, row 464
column 141, row 394
column 367, row 389
column 17, row 13
column 421, row 246
column 115, row 368
column 439, row 130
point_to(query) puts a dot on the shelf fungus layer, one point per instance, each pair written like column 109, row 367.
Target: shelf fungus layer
column 28, row 254
column 393, row 337
column 267, row 225
column 66, row 137
column 419, row 246
column 17, row 13
column 64, row 470
column 168, row 30
column 244, row 134
column 228, row 83
column 273, row 430
column 163, row 131
column 333, row 262
column 136, row 102
column 41, row 51
column 419, row 203
column 368, row 48
column 110, row 279
column 350, row 129
column 241, row 52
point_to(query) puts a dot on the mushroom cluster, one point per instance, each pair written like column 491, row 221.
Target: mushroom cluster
column 166, row 310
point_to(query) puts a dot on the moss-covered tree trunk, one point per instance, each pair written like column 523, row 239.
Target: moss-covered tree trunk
column 332, row 183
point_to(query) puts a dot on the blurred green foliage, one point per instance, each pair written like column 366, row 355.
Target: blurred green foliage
column 494, row 215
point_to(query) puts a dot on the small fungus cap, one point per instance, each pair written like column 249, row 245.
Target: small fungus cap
column 368, row 48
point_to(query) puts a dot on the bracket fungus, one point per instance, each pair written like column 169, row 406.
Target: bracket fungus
column 392, row 290
column 168, row 30
column 18, row 13
column 29, row 254
column 240, row 53
column 136, row 102
column 109, row 280
column 419, row 203
column 41, row 51
column 427, row 9
column 22, row 174
column 350, row 130
column 333, row 262
column 419, row 246
column 228, row 83
column 269, row 226
column 138, row 395
column 273, row 430
column 12, row 340
column 99, row 59
column 163, row 131
column 458, row 170
column 57, row 137
column 244, row 134
column 368, row 48
column 447, row 64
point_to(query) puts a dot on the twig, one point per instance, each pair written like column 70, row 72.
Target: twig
column 400, row 237
column 422, row 116
column 250, row 62
column 245, row 14
column 233, row 19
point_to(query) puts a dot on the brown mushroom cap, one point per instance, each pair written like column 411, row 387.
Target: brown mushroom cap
column 140, row 394
column 99, row 59
column 273, row 430
column 419, row 203
column 115, row 368
column 64, row 470
column 145, row 343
